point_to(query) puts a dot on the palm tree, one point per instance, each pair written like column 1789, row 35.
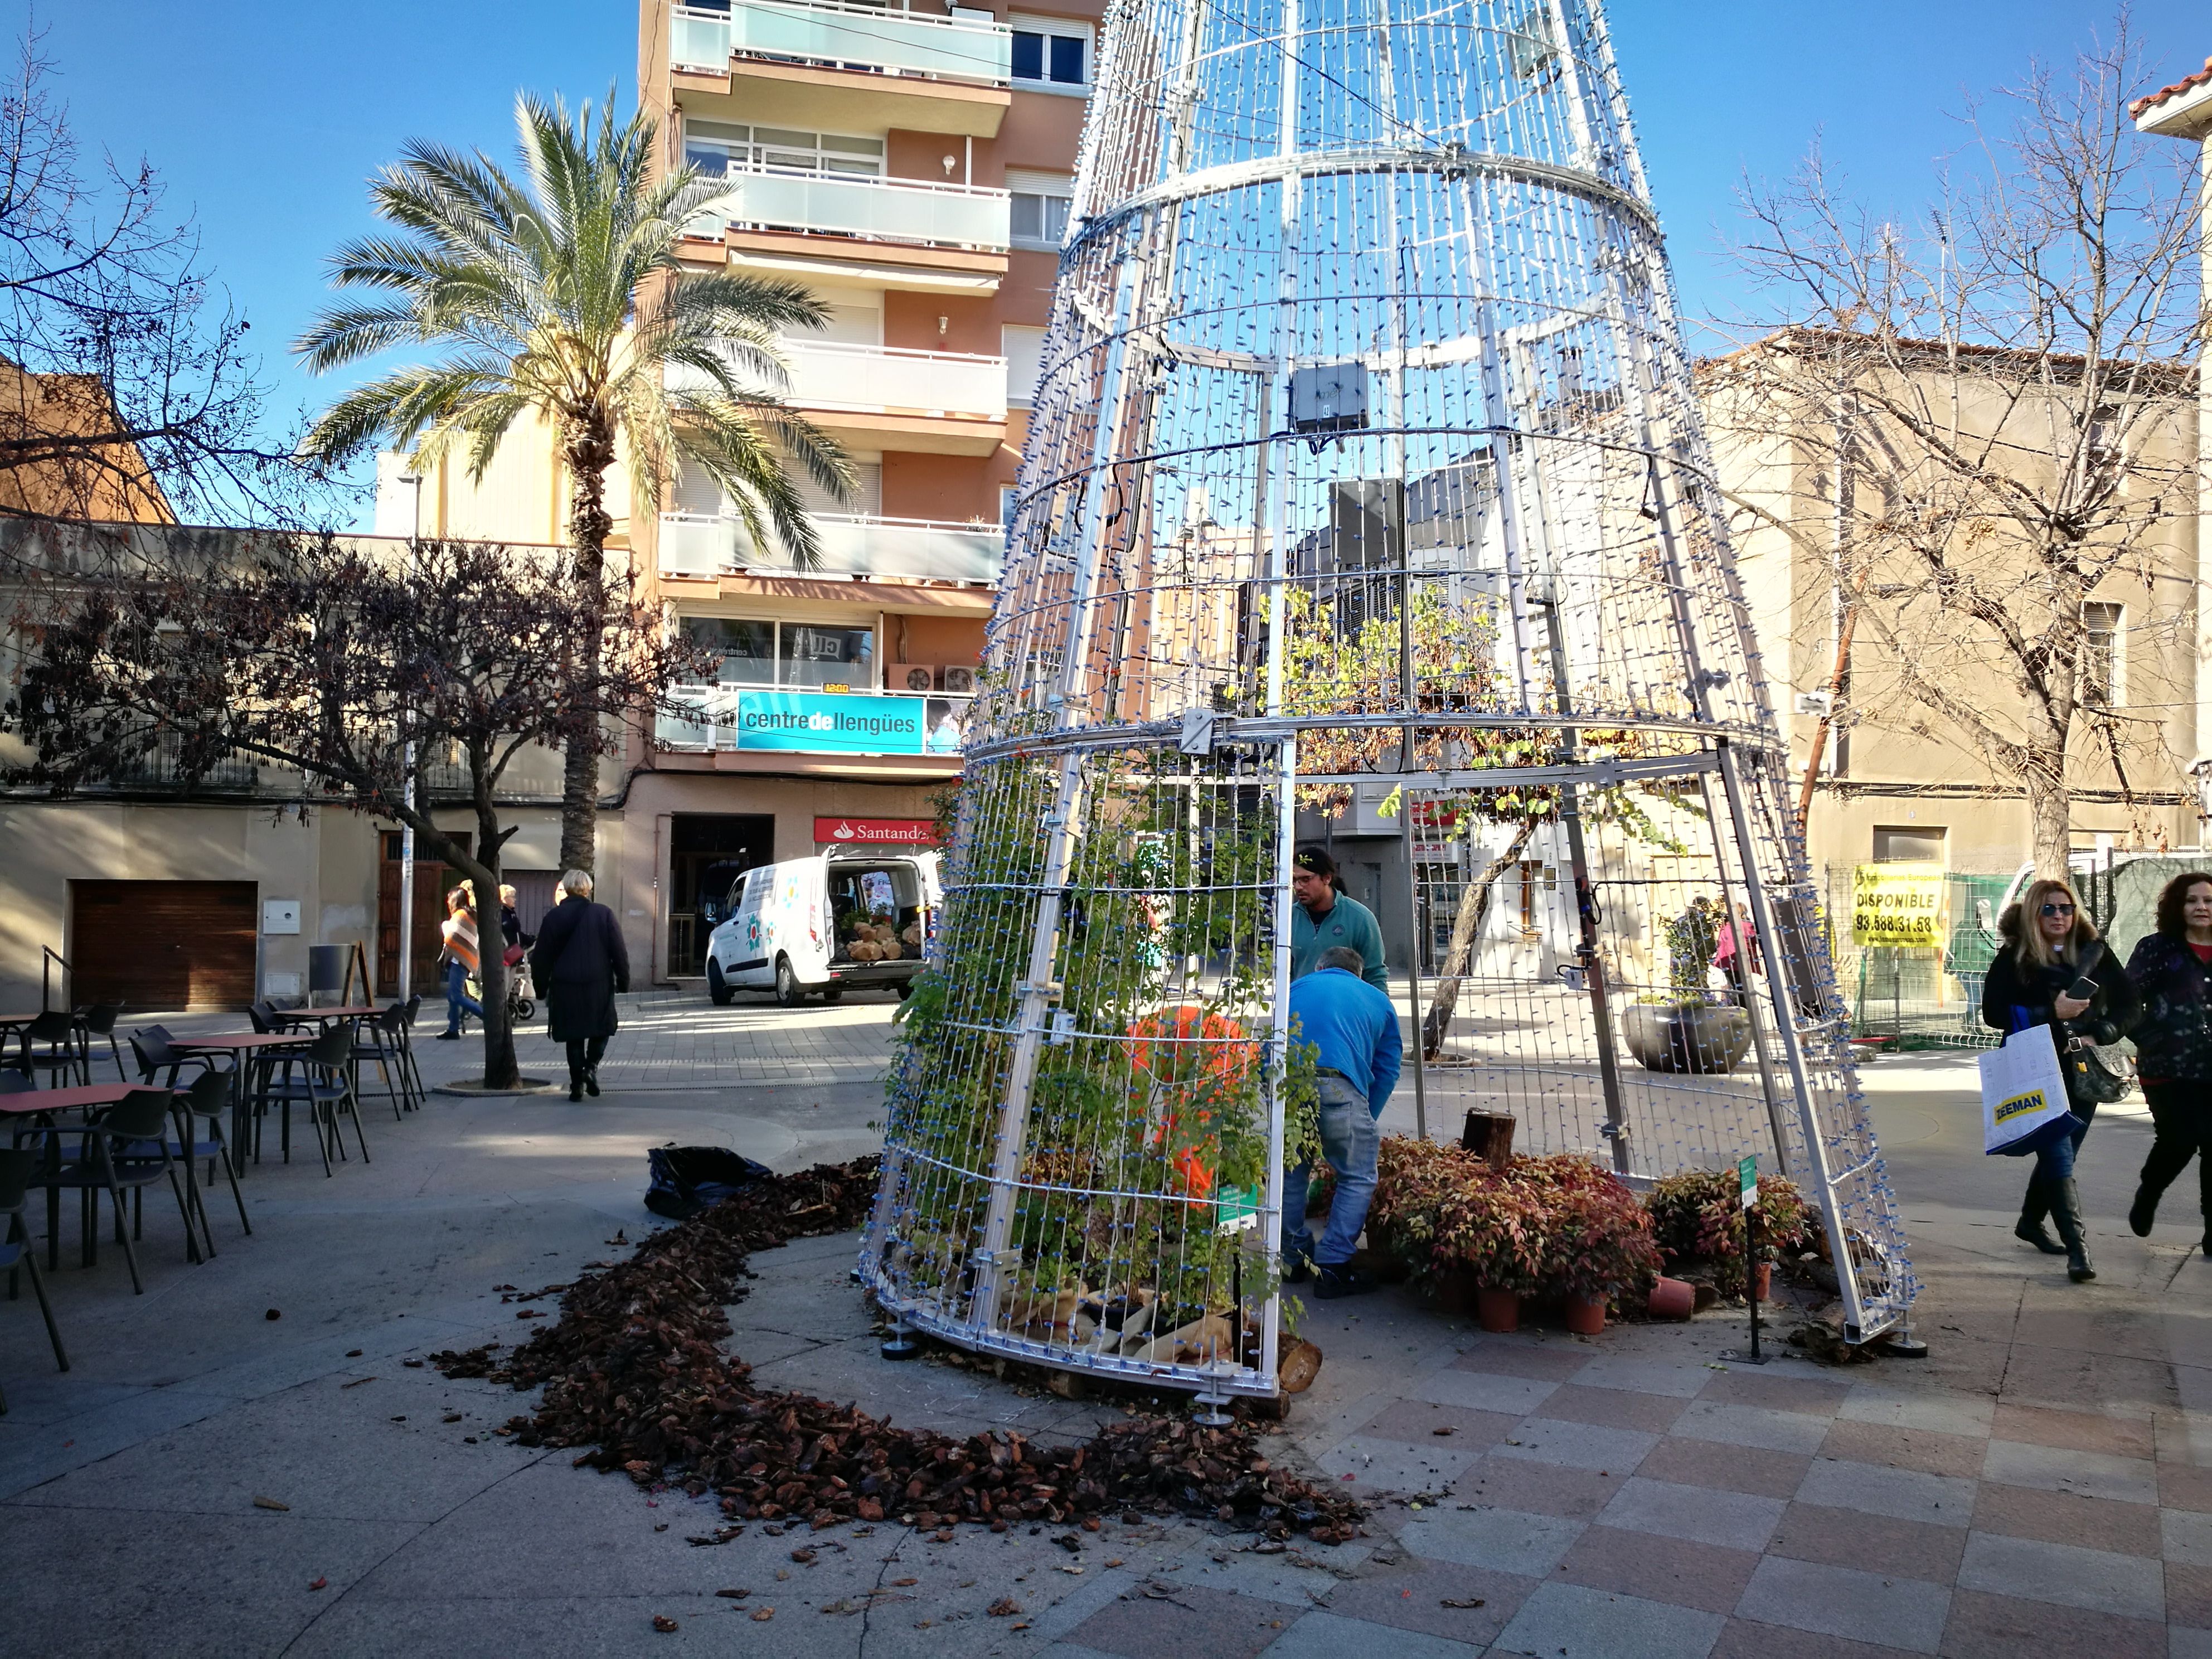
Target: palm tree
column 560, row 295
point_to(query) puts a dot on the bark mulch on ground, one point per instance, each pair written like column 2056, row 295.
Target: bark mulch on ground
column 634, row 1370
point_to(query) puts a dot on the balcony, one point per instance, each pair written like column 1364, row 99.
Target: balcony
column 692, row 544
column 901, row 210
column 782, row 720
column 870, row 38
column 927, row 402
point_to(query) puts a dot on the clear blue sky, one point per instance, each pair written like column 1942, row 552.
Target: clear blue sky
column 266, row 118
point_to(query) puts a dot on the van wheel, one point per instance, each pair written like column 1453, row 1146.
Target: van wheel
column 718, row 989
column 832, row 993
column 788, row 991
column 905, row 989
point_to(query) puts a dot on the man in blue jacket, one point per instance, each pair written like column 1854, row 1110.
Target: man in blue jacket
column 1355, row 1027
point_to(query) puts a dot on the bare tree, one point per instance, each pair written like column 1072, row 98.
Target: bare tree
column 1998, row 397
column 126, row 391
column 331, row 657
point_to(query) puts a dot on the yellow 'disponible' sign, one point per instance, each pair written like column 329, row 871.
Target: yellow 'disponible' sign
column 1897, row 904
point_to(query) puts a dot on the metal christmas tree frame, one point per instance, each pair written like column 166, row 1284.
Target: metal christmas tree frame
column 1363, row 375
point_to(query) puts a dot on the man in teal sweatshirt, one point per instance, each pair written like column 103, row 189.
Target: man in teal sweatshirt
column 1324, row 918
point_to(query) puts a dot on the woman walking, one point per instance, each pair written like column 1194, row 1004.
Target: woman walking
column 2051, row 950
column 579, row 964
column 2173, row 1047
column 460, row 932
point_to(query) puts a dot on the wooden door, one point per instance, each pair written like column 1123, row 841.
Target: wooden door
column 164, row 946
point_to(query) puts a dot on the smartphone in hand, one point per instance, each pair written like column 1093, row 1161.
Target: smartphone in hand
column 2084, row 988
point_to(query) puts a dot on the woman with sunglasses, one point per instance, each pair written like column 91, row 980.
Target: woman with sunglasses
column 2051, row 947
column 2173, row 1046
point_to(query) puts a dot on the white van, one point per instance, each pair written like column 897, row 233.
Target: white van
column 844, row 917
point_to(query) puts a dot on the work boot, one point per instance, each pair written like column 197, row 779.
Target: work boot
column 1341, row 1280
column 576, row 1086
column 2066, row 1213
column 2143, row 1212
column 2030, row 1228
column 591, row 1081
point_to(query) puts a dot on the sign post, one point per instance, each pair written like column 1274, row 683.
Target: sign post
column 1746, row 1176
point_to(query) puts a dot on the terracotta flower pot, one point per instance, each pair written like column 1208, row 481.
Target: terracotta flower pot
column 1673, row 1299
column 1455, row 1293
column 1585, row 1315
column 1498, row 1310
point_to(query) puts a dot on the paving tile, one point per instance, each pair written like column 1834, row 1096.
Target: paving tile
column 1502, row 1540
column 2087, row 1381
column 1940, row 1413
column 1752, row 1426
column 2189, row 1594
column 1539, row 1488
column 1580, row 1623
column 1329, row 1635
column 1781, row 1394
column 1985, row 1627
column 2055, row 1468
column 2065, row 1517
column 2127, row 1586
column 1380, row 1465
column 1725, row 1468
column 1578, row 1445
column 1418, row 1420
column 1860, row 1606
column 2188, row 1644
column 1924, row 1449
column 1907, row 1494
column 1480, row 1391
column 1614, row 1408
column 2077, row 1431
column 1683, row 1378
column 1415, row 1601
column 2185, row 1536
column 1197, row 1620
column 1747, row 1639
column 1672, row 1570
column 1874, row 1543
column 1537, row 1358
column 1732, row 1519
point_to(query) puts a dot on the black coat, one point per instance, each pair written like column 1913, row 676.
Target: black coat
column 580, row 963
column 2174, row 1040
column 2016, row 996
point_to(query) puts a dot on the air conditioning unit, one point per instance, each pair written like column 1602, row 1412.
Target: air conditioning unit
column 959, row 682
column 910, row 676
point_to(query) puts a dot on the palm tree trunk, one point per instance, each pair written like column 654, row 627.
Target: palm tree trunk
column 588, row 450
column 1467, row 928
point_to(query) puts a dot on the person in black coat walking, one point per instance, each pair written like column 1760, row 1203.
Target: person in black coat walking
column 2172, row 968
column 580, row 963
column 2050, row 945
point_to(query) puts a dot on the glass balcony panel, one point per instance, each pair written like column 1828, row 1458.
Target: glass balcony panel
column 880, row 208
column 699, row 39
column 881, row 379
column 693, row 544
column 906, row 42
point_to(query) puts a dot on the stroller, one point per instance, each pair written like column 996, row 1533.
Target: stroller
column 521, row 991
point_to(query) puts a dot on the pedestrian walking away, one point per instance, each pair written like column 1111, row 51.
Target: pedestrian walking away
column 459, row 932
column 1326, row 917
column 2052, row 969
column 1736, row 953
column 2172, row 971
column 1355, row 1027
column 580, row 963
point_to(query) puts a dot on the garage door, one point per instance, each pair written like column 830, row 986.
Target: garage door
column 163, row 945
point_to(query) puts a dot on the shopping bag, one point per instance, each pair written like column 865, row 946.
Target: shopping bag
column 2022, row 1089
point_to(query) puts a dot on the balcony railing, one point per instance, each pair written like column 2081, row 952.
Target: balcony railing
column 693, row 544
column 869, row 38
column 908, row 210
column 884, row 380
column 794, row 720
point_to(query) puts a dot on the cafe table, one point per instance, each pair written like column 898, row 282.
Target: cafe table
column 78, row 1097
column 243, row 1047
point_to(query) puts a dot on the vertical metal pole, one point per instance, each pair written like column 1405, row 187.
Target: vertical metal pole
column 1414, row 966
column 407, row 883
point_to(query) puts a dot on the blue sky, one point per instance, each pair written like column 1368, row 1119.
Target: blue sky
column 265, row 119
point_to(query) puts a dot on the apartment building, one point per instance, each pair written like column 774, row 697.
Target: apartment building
column 912, row 168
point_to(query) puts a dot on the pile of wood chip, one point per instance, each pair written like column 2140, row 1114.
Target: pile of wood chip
column 634, row 1370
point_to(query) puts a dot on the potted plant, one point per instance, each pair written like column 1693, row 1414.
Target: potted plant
column 1698, row 1221
column 1490, row 1230
column 1687, row 1030
column 1599, row 1244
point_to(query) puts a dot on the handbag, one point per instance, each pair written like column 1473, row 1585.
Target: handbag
column 2100, row 1074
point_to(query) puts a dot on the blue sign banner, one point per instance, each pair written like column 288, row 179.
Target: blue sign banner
column 830, row 723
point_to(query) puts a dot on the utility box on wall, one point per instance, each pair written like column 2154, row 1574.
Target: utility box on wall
column 280, row 916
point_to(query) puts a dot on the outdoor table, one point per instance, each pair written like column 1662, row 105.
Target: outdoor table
column 42, row 1103
column 241, row 1046
column 357, row 1010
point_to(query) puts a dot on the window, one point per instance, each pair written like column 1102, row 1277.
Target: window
column 1023, row 349
column 2103, row 657
column 1051, row 53
column 1909, row 843
column 715, row 146
column 1039, row 207
column 794, row 654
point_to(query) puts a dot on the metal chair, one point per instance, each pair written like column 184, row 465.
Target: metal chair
column 208, row 1101
column 57, row 1028
column 378, row 1040
column 18, row 1169
column 264, row 1016
column 99, row 1023
column 126, row 1148
column 12, row 1081
column 330, row 1072
column 410, row 1011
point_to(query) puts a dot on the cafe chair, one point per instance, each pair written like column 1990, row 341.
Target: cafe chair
column 98, row 1026
column 18, row 1169
column 123, row 1149
column 56, row 1030
column 207, row 1102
